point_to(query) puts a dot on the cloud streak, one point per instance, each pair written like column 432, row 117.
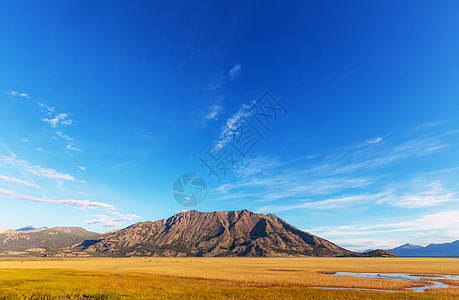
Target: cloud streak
column 230, row 126
column 332, row 203
column 83, row 204
column 113, row 221
column 221, row 78
column 64, row 136
column 14, row 93
column 433, row 194
column 336, row 180
column 18, row 181
column 427, row 228
column 60, row 119
column 54, row 119
column 234, row 71
column 36, row 170
column 213, row 111
column 72, row 147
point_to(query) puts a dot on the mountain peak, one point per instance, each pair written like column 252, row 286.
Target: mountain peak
column 219, row 233
column 188, row 233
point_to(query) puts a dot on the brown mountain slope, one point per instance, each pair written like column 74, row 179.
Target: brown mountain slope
column 227, row 233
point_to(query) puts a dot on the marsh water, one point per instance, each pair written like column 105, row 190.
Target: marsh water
column 432, row 280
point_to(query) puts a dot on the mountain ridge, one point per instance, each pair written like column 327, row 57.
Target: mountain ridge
column 189, row 233
column 432, row 250
column 223, row 233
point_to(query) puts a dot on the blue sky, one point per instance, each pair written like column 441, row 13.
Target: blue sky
column 104, row 104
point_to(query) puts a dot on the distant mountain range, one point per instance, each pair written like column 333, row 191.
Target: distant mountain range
column 432, row 250
column 191, row 233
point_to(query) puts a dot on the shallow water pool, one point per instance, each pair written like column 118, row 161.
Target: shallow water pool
column 432, row 279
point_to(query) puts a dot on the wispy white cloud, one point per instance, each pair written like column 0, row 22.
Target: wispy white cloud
column 18, row 181
column 366, row 158
column 81, row 168
column 332, row 203
column 60, row 119
column 231, row 125
column 72, row 147
column 14, row 162
column 256, row 166
column 14, row 93
column 447, row 220
column 47, row 172
column 362, row 244
column 49, row 110
column 273, row 179
column 336, row 180
column 84, row 204
column 64, row 136
column 213, row 111
column 345, row 162
column 56, row 120
column 60, row 184
column 375, row 140
column 112, row 221
column 432, row 194
column 218, row 82
column 234, row 71
column 287, row 187
column 430, row 125
column 53, row 118
column 221, row 78
column 427, row 228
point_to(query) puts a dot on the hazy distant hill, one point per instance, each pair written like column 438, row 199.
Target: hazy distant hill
column 432, row 250
column 191, row 233
column 43, row 242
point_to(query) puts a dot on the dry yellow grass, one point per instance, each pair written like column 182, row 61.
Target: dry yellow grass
column 231, row 274
column 450, row 282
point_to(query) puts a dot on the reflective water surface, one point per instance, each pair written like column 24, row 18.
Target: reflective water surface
column 432, row 280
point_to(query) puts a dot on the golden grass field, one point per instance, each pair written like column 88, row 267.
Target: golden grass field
column 218, row 278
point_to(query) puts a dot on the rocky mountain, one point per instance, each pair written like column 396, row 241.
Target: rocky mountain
column 432, row 250
column 191, row 233
column 45, row 242
column 227, row 233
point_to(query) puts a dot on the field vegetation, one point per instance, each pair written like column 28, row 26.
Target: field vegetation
column 220, row 278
